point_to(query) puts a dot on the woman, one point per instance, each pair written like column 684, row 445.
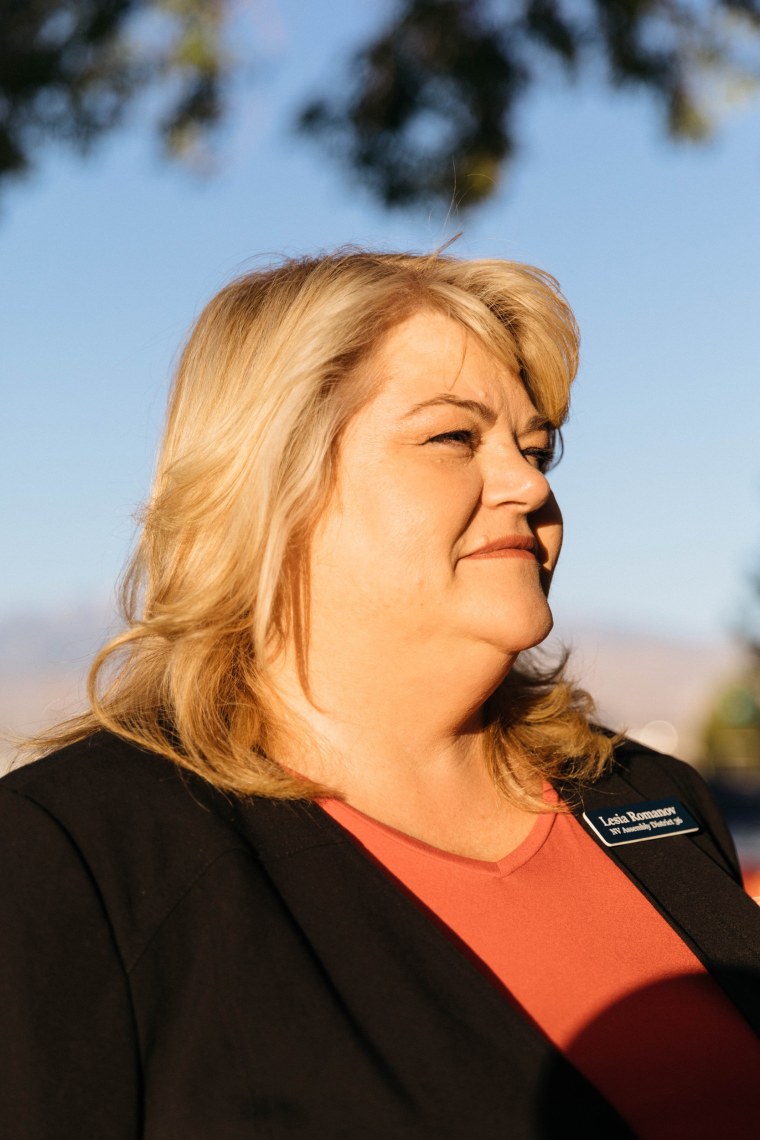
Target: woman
column 324, row 860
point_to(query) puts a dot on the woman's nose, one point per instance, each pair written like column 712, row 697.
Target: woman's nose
column 511, row 477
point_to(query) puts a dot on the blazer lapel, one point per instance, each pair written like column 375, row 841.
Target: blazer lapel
column 444, row 1033
column 688, row 880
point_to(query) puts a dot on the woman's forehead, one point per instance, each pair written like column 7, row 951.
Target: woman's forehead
column 430, row 355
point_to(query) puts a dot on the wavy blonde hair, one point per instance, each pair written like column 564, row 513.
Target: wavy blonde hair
column 265, row 386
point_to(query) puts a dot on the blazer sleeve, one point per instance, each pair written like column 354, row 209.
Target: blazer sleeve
column 68, row 1049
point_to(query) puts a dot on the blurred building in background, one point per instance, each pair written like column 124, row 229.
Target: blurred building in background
column 731, row 762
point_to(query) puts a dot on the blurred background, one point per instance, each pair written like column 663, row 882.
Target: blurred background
column 151, row 151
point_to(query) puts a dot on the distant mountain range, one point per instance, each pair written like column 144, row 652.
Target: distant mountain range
column 656, row 688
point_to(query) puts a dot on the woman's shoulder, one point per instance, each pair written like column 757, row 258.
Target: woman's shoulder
column 101, row 752
column 104, row 780
column 638, row 758
column 113, row 816
column 654, row 771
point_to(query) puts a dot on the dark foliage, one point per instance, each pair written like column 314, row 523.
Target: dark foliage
column 428, row 108
column 425, row 112
column 68, row 71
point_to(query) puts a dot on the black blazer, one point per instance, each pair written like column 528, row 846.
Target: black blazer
column 176, row 963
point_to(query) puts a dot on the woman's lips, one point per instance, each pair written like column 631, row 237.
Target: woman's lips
column 513, row 546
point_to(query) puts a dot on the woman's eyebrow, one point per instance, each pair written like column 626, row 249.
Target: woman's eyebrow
column 482, row 410
column 536, row 422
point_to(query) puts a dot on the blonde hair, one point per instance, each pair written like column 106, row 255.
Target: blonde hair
column 267, row 382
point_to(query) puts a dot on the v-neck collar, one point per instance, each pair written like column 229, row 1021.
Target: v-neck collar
column 404, row 977
column 358, row 823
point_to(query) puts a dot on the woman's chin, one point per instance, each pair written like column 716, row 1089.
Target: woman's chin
column 524, row 632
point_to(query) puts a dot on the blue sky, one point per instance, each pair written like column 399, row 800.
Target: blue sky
column 105, row 262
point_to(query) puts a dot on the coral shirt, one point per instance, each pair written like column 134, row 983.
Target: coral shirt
column 590, row 960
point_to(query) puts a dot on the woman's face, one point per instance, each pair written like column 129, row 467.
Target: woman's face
column 441, row 527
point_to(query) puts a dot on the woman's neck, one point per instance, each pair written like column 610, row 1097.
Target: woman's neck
column 403, row 741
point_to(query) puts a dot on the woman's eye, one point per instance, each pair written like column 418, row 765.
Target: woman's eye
column 541, row 457
column 464, row 436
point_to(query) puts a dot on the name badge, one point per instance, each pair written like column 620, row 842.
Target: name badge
column 656, row 819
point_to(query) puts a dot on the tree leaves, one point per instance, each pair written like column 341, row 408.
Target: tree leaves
column 428, row 110
column 69, row 71
column 425, row 112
